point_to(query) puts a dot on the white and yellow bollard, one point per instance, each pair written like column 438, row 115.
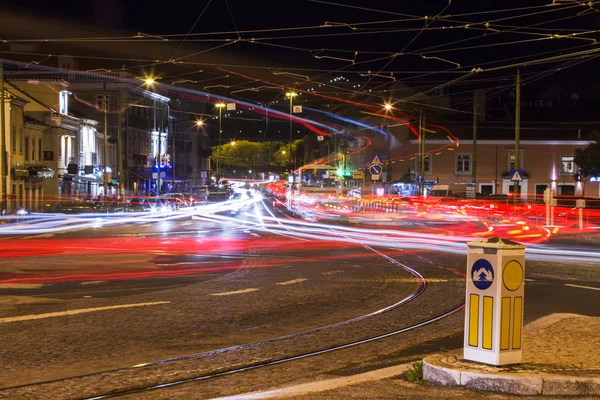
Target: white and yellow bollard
column 494, row 302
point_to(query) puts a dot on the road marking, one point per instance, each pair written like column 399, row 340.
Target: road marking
column 235, row 292
column 21, row 285
column 529, row 280
column 79, row 311
column 582, row 287
column 337, row 271
column 292, row 281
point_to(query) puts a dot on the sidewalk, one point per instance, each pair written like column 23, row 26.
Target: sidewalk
column 561, row 357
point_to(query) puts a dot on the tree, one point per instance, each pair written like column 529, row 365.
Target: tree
column 588, row 162
column 258, row 156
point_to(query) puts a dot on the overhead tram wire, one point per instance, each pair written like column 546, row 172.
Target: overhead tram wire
column 169, row 37
column 192, row 28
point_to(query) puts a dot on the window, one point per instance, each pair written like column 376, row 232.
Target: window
column 33, row 149
column 566, row 190
column 40, row 149
column 511, row 160
column 26, row 148
column 567, row 165
column 21, row 141
column 14, row 139
column 100, row 103
column 486, row 189
column 426, row 166
column 463, row 163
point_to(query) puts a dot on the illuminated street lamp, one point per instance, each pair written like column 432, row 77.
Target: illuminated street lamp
column 233, row 142
column 220, row 107
column 291, row 95
column 387, row 106
column 199, row 123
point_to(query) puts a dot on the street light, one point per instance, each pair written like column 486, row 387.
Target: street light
column 199, row 123
column 291, row 95
column 387, row 106
column 220, row 107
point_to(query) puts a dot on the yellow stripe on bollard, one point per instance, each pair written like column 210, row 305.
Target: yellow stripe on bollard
column 517, row 317
column 488, row 322
column 473, row 320
column 505, row 324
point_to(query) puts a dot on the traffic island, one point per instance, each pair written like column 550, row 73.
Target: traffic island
column 560, row 358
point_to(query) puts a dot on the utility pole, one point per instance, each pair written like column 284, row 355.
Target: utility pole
column 220, row 106
column 4, row 165
column 173, row 155
column 422, row 170
column 105, row 155
column 475, row 116
column 291, row 95
column 517, row 133
column 120, row 149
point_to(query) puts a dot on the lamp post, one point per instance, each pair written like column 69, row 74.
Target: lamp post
column 105, row 155
column 291, row 95
column 220, row 107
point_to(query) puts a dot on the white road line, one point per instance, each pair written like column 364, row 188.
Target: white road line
column 21, row 285
column 74, row 312
column 292, row 281
column 235, row 292
column 529, row 280
column 582, row 287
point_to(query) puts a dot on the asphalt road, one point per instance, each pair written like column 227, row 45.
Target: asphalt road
column 110, row 297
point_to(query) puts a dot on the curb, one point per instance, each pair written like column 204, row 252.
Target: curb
column 322, row 385
column 438, row 371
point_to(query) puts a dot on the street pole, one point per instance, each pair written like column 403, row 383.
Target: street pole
column 3, row 154
column 517, row 132
column 105, row 147
column 220, row 133
column 422, row 184
column 496, row 173
column 290, row 144
column 159, row 149
column 419, row 151
column 474, row 162
column 120, row 150
column 173, row 155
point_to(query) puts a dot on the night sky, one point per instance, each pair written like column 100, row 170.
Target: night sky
column 359, row 43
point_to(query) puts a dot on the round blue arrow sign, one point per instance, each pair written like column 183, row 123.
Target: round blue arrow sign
column 482, row 274
column 375, row 169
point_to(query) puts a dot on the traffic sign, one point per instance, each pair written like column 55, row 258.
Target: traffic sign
column 516, row 175
column 375, row 169
column 230, row 106
column 297, row 109
column 420, row 179
column 482, row 274
column 320, row 138
column 376, row 159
